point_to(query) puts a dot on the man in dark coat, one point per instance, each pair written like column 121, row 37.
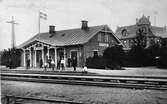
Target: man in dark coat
column 74, row 63
column 41, row 63
column 49, row 62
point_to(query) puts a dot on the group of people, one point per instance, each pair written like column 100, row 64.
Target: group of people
column 50, row 63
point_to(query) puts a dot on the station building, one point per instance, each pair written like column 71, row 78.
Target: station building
column 81, row 43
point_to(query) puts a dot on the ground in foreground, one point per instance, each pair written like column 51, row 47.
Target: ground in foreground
column 86, row 94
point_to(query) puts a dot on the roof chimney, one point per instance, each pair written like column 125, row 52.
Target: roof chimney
column 84, row 25
column 51, row 29
column 148, row 17
column 137, row 20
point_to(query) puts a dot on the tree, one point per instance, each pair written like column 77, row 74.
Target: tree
column 11, row 58
column 137, row 55
column 114, row 57
column 141, row 39
column 153, row 52
column 162, row 62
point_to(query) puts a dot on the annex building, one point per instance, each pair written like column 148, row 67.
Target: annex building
column 127, row 34
column 81, row 43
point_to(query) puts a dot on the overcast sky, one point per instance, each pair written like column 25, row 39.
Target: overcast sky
column 67, row 14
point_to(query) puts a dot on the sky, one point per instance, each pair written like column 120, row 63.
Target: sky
column 67, row 14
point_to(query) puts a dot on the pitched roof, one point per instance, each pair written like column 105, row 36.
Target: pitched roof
column 131, row 31
column 66, row 37
column 159, row 31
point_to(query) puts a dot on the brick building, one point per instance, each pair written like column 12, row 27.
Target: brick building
column 127, row 34
column 81, row 43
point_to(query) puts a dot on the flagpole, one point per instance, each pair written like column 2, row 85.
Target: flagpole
column 39, row 22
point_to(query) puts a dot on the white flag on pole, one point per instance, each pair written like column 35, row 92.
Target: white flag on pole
column 43, row 15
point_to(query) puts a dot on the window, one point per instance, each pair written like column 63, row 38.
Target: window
column 106, row 38
column 95, row 53
column 124, row 32
column 99, row 37
column 144, row 29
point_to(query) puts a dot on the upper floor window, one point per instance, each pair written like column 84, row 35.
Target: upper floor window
column 99, row 37
column 103, row 37
column 144, row 29
column 106, row 38
column 124, row 32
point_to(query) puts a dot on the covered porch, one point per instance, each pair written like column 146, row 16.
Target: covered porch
column 37, row 53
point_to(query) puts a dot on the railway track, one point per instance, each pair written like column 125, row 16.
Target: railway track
column 77, row 74
column 153, row 83
column 10, row 99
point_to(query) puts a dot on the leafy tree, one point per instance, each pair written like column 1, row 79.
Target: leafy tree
column 137, row 55
column 162, row 62
column 11, row 58
column 95, row 62
column 141, row 39
column 114, row 57
column 153, row 51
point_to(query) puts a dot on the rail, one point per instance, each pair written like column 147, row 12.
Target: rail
column 15, row 98
column 90, row 80
column 77, row 74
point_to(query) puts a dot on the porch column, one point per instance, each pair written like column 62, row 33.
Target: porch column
column 35, row 58
column 48, row 52
column 65, row 57
column 43, row 54
column 24, row 58
column 56, row 56
column 30, row 57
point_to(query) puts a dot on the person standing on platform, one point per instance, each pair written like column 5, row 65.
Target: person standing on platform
column 28, row 63
column 58, row 63
column 45, row 66
column 49, row 62
column 52, row 64
column 74, row 63
column 41, row 63
column 62, row 63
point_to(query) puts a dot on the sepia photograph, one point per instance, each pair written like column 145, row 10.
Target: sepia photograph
column 83, row 51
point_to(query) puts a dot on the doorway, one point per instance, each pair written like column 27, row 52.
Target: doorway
column 74, row 54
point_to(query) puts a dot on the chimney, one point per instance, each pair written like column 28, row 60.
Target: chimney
column 137, row 20
column 148, row 17
column 51, row 29
column 84, row 25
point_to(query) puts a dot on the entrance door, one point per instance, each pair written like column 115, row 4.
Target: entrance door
column 39, row 58
column 74, row 54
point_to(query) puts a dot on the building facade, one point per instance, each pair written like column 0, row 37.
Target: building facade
column 80, row 43
column 127, row 34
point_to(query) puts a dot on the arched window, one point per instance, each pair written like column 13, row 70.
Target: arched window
column 124, row 32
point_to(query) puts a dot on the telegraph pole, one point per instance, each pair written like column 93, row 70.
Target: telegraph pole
column 13, row 22
column 155, row 14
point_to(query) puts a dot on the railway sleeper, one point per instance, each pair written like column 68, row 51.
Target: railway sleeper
column 89, row 79
column 132, row 82
column 98, row 80
column 114, row 81
column 43, row 77
column 122, row 81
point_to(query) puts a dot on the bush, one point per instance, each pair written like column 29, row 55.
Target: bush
column 114, row 57
column 162, row 61
column 11, row 58
column 137, row 56
column 95, row 62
